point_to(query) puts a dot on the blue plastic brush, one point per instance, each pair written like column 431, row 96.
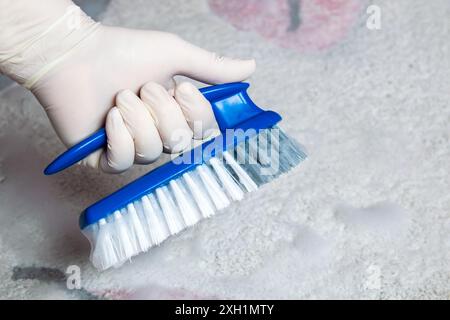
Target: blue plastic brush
column 250, row 151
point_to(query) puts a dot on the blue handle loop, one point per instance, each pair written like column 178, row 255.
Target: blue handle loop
column 230, row 102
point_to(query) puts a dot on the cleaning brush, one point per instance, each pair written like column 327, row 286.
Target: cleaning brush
column 250, row 151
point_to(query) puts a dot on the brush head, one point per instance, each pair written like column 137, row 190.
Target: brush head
column 182, row 200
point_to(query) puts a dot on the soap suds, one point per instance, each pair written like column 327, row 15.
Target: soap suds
column 380, row 217
column 366, row 216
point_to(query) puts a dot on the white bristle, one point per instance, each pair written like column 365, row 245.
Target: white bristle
column 213, row 188
column 104, row 255
column 91, row 233
column 199, row 193
column 173, row 218
column 157, row 226
column 183, row 201
column 124, row 243
column 136, row 229
column 248, row 151
column 233, row 189
column 263, row 150
column 268, row 152
column 143, row 220
column 244, row 178
column 187, row 208
column 251, row 164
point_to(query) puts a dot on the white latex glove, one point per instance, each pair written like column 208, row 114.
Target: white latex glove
column 87, row 75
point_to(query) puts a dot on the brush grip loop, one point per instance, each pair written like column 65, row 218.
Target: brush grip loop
column 230, row 103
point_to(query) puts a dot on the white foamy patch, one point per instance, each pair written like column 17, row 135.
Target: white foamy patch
column 379, row 217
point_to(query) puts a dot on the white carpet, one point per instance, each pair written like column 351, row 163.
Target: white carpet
column 366, row 216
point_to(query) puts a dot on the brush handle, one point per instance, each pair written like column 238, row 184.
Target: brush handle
column 230, row 103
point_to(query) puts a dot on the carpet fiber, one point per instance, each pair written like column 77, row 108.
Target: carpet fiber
column 366, row 216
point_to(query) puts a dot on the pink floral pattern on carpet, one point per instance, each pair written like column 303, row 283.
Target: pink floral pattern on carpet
column 302, row 25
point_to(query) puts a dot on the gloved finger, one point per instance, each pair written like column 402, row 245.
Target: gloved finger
column 172, row 126
column 141, row 126
column 209, row 67
column 196, row 109
column 119, row 153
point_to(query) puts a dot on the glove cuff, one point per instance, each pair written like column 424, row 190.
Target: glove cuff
column 29, row 60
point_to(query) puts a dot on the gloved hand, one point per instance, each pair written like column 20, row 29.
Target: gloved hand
column 87, row 75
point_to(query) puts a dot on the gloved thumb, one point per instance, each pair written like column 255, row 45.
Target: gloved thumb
column 209, row 67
